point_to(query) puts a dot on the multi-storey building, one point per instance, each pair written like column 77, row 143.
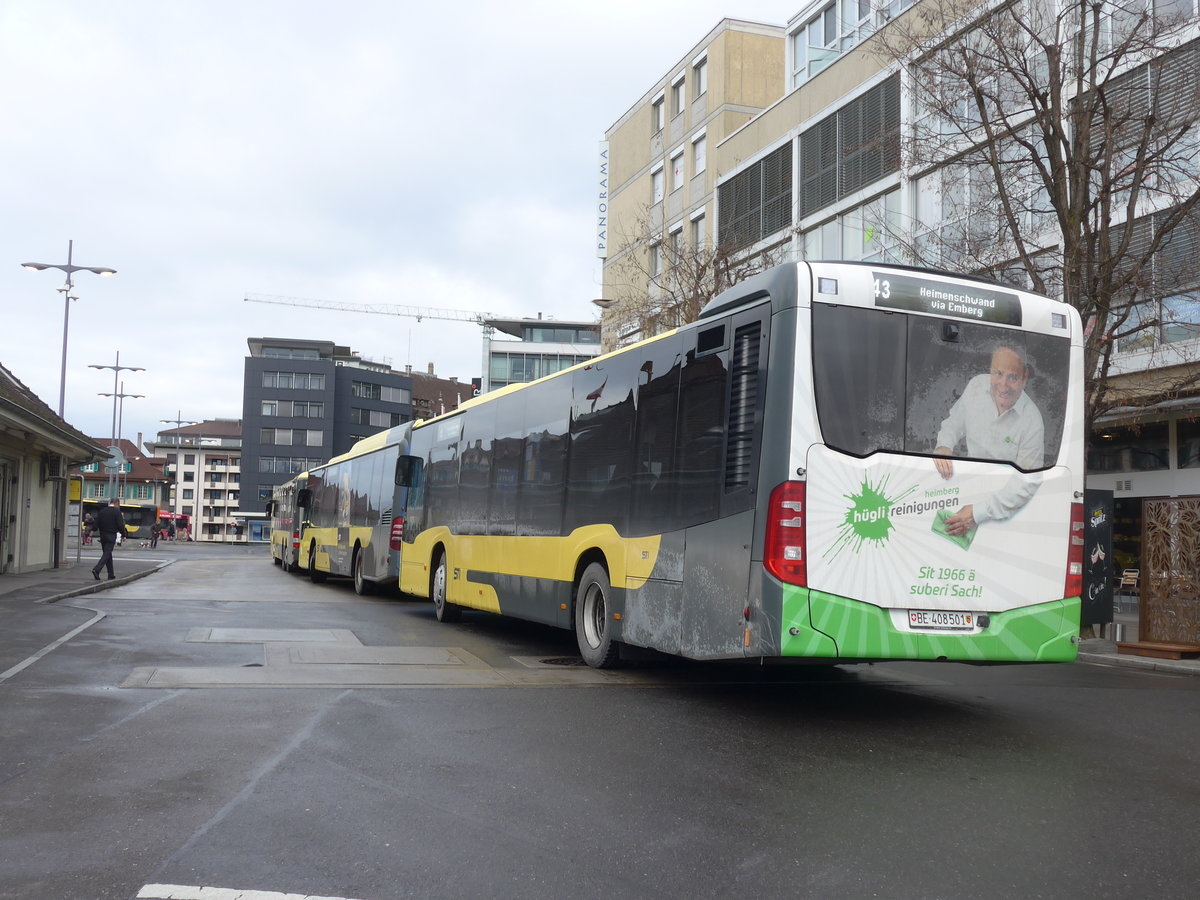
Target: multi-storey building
column 660, row 170
column 305, row 402
column 544, row 346
column 203, row 463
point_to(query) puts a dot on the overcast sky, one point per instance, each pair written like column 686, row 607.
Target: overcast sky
column 363, row 151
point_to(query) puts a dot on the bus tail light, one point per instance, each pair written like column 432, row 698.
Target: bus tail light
column 784, row 554
column 1074, row 582
column 397, row 533
column 295, row 540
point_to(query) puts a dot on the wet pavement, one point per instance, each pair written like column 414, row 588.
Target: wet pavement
column 74, row 579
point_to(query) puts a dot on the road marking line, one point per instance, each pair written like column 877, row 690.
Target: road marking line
column 21, row 666
column 193, row 892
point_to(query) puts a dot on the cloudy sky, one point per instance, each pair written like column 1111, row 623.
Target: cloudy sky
column 363, row 151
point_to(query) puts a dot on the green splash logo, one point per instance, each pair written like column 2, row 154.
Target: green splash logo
column 867, row 519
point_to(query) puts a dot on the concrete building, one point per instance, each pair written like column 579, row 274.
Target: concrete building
column 36, row 450
column 203, row 463
column 306, row 401
column 659, row 181
column 543, row 347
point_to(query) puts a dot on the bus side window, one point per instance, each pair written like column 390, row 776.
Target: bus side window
column 408, row 471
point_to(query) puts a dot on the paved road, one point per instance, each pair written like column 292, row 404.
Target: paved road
column 223, row 724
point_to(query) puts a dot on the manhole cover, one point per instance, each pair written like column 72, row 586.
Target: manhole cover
column 564, row 661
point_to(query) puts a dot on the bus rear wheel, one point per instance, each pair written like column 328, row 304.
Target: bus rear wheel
column 445, row 610
column 315, row 576
column 362, row 586
column 592, row 631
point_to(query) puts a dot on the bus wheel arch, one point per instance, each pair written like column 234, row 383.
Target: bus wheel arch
column 362, row 586
column 593, row 625
column 314, row 575
column 439, row 588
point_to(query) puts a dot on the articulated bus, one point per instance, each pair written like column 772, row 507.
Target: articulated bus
column 338, row 518
column 838, row 462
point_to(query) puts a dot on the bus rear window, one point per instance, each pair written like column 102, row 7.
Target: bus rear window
column 887, row 381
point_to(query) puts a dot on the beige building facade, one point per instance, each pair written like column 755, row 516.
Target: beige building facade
column 661, row 156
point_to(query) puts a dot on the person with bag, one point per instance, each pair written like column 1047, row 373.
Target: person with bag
column 111, row 524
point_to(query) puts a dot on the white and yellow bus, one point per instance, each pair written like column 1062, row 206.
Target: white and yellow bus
column 838, row 462
column 339, row 518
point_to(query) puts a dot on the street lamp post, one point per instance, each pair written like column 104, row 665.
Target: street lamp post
column 116, row 394
column 70, row 268
column 119, row 399
column 178, row 423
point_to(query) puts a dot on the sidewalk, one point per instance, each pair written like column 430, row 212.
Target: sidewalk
column 73, row 580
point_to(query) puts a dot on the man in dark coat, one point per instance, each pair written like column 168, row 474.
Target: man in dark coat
column 110, row 523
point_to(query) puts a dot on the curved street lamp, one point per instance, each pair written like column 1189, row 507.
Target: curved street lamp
column 70, row 268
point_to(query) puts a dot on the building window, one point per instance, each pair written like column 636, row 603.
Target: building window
column 700, row 77
column 677, row 169
column 303, row 381
column 698, row 232
column 699, row 154
column 656, row 253
column 366, row 390
column 656, row 184
column 657, row 115
column 678, row 97
column 189, row 494
column 675, row 244
column 270, row 408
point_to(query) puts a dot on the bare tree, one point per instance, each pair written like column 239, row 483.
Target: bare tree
column 664, row 280
column 1055, row 146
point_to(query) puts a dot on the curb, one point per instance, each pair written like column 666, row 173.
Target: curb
column 105, row 585
column 1167, row 666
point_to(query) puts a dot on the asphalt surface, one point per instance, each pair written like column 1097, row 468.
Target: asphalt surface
column 74, row 579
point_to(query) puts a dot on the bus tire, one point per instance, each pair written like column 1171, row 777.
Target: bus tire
column 362, row 586
column 283, row 558
column 315, row 576
column 592, row 630
column 444, row 609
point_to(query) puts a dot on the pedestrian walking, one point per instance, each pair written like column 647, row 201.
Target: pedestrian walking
column 154, row 536
column 110, row 523
column 171, row 531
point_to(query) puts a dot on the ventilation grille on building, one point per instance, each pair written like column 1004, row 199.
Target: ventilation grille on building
column 1126, row 485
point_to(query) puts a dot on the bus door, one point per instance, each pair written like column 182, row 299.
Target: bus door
column 407, row 509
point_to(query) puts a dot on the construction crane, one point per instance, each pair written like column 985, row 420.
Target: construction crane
column 383, row 309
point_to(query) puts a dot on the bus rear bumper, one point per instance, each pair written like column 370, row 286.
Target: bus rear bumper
column 853, row 630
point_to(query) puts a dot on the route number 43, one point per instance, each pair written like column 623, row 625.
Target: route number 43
column 883, row 289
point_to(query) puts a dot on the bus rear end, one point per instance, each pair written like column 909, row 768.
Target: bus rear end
column 932, row 506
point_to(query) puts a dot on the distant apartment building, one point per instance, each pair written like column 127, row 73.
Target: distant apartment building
column 306, row 401
column 543, row 347
column 202, row 462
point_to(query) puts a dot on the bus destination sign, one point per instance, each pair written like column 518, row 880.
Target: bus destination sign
column 938, row 298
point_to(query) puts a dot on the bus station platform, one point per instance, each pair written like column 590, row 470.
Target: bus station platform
column 74, row 579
